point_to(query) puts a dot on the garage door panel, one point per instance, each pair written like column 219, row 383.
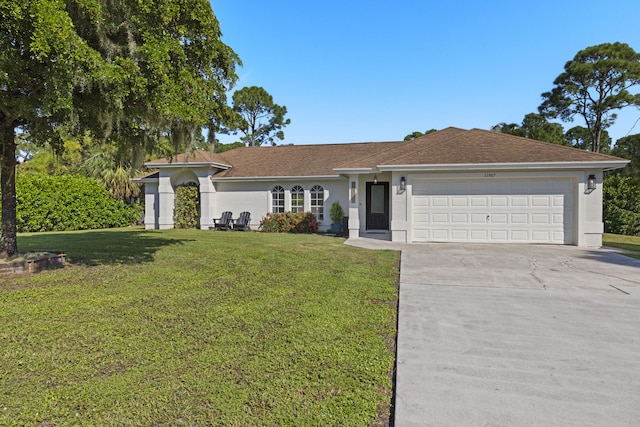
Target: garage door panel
column 441, row 218
column 459, row 235
column 539, row 211
column 479, row 201
column 440, row 201
column 459, row 218
column 538, row 218
column 459, row 201
column 480, row 235
column 421, row 202
column 499, row 201
column 421, row 217
column 499, row 235
column 440, row 234
column 519, row 218
column 519, row 201
column 540, row 201
column 498, row 218
column 478, row 218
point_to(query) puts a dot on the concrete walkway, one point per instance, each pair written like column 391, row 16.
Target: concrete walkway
column 515, row 335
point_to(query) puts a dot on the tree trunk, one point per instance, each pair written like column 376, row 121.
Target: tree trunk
column 9, row 241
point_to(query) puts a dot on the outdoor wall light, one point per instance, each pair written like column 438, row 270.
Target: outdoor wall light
column 353, row 191
column 591, row 183
column 375, row 179
column 403, row 183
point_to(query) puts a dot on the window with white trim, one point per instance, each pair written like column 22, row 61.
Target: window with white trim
column 297, row 199
column 277, row 199
column 317, row 201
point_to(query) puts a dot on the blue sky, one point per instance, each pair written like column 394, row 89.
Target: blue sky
column 356, row 71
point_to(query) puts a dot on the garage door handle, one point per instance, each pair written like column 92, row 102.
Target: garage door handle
column 488, row 218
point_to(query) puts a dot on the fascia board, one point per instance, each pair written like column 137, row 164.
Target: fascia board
column 146, row 180
column 187, row 164
column 611, row 164
column 274, row 178
column 353, row 171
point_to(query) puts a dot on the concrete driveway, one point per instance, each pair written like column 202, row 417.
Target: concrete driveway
column 510, row 335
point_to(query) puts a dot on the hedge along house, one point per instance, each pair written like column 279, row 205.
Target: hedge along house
column 453, row 185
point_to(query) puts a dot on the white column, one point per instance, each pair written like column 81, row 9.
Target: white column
column 207, row 202
column 166, row 201
column 151, row 205
column 399, row 208
column 354, row 206
column 590, row 226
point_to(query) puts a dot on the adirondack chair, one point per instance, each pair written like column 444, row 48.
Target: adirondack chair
column 242, row 223
column 224, row 222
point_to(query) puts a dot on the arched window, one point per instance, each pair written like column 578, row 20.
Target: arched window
column 317, row 201
column 297, row 199
column 277, row 199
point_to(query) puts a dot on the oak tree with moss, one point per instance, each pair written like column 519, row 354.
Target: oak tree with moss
column 126, row 71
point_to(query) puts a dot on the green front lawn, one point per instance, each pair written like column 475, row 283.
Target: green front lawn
column 630, row 243
column 199, row 328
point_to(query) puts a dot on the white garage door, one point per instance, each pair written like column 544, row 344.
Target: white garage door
column 518, row 211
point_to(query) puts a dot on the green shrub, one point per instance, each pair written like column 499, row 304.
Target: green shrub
column 621, row 199
column 187, row 207
column 336, row 213
column 67, row 202
column 289, row 222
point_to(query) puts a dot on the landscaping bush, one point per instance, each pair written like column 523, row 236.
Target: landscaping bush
column 67, row 202
column 187, row 208
column 289, row 222
column 621, row 199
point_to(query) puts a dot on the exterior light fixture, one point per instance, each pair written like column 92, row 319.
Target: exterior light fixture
column 403, row 183
column 353, row 191
column 591, row 183
column 375, row 179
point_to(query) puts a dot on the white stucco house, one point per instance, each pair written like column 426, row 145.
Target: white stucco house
column 453, row 185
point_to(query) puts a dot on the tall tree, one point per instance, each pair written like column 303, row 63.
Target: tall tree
column 580, row 137
column 125, row 70
column 258, row 118
column 595, row 83
column 629, row 148
column 534, row 126
column 417, row 134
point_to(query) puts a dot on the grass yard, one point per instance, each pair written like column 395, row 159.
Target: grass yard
column 630, row 243
column 202, row 328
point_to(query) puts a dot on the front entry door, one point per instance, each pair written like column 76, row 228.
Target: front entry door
column 377, row 206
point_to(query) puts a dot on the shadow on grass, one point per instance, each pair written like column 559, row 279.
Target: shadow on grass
column 99, row 247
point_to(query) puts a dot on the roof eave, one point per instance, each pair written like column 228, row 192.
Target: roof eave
column 608, row 165
column 184, row 164
column 273, row 178
column 353, row 171
column 146, row 180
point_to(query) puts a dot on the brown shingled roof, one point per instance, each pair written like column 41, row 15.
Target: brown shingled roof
column 481, row 146
column 447, row 146
column 297, row 160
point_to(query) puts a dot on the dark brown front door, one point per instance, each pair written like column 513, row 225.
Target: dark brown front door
column 377, row 206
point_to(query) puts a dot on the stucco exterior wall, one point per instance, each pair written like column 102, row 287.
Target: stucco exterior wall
column 255, row 197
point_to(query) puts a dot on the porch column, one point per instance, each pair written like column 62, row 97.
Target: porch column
column 354, row 206
column 207, row 194
column 166, row 201
column 151, row 205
